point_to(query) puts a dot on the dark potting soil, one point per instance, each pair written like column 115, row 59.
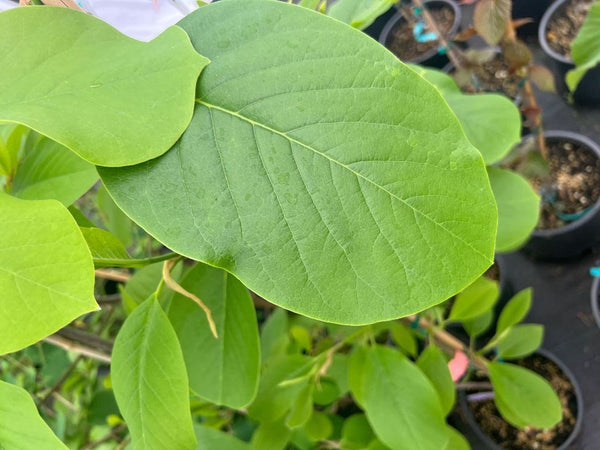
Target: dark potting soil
column 564, row 25
column 401, row 40
column 575, row 179
column 491, row 76
column 492, row 424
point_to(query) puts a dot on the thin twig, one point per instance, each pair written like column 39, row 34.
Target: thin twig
column 108, row 299
column 474, row 385
column 113, row 275
column 113, row 434
column 62, row 342
column 60, row 381
column 173, row 285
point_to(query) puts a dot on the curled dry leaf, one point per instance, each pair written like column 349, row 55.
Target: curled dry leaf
column 543, row 78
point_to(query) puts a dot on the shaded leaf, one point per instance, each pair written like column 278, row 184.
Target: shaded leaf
column 404, row 338
column 480, row 324
column 359, row 13
column 475, row 300
column 211, row 439
column 112, row 100
column 435, row 366
column 490, row 18
column 585, row 49
column 271, row 435
column 319, row 426
column 231, row 378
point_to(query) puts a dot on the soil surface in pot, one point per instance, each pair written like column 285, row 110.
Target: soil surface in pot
column 575, row 180
column 402, row 42
column 492, row 424
column 564, row 25
column 491, row 76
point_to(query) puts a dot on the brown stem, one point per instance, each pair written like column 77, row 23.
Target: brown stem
column 60, row 381
column 531, row 102
column 113, row 434
column 474, row 385
column 113, row 275
column 62, row 342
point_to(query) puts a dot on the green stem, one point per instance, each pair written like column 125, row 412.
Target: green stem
column 132, row 263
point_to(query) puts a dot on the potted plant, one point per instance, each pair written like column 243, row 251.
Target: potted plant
column 569, row 34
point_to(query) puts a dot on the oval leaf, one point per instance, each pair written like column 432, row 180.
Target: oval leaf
column 150, row 381
column 490, row 18
column 46, row 271
column 518, row 208
column 401, row 403
column 520, row 340
column 211, row 439
column 310, row 173
column 433, row 364
column 585, row 49
column 515, row 310
column 22, row 427
column 112, row 100
column 475, row 300
column 231, row 377
column 523, row 397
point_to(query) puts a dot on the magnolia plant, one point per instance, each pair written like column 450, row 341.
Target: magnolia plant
column 330, row 180
column 585, row 49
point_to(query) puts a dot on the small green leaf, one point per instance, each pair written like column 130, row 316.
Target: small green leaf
column 267, row 196
column 275, row 399
column 274, row 337
column 515, row 310
column 22, row 427
column 479, row 324
column 404, row 338
column 433, row 364
column 478, row 298
column 271, row 435
column 359, row 13
column 523, row 397
column 401, row 403
column 48, row 170
column 113, row 218
column 356, row 432
column 356, row 373
column 211, row 439
column 302, row 408
column 585, row 49
column 150, row 381
column 46, row 271
column 338, row 371
column 143, row 284
column 112, row 100
column 231, row 378
column 319, row 426
column 12, row 137
column 520, row 340
column 518, row 208
column 326, row 392
column 104, row 246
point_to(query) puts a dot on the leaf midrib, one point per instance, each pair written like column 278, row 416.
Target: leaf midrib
column 339, row 163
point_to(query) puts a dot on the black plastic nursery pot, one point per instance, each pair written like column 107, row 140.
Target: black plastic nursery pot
column 374, row 30
column 595, row 301
column 431, row 58
column 576, row 237
column 488, row 443
column 529, row 9
column 588, row 90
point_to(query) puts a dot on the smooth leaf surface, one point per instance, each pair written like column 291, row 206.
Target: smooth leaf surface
column 274, row 338
column 359, row 13
column 271, row 435
column 322, row 177
column 475, row 300
column 433, row 364
column 46, row 271
column 22, row 428
column 48, row 170
column 150, row 381
column 491, row 121
column 211, row 439
column 523, row 397
column 518, row 208
column 520, row 341
column 11, row 139
column 585, row 49
column 104, row 245
column 231, row 378
column 480, row 324
column 400, row 402
column 404, row 338
column 112, row 100
column 515, row 310
column 143, row 283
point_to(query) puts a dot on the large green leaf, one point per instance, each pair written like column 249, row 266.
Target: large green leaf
column 223, row 370
column 46, row 271
column 150, row 381
column 49, row 170
column 331, row 180
column 518, row 208
column 401, row 403
column 111, row 99
column 21, row 427
column 585, row 49
column 523, row 397
column 491, row 121
column 359, row 13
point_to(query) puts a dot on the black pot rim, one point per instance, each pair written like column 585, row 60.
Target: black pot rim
column 569, row 135
column 542, row 34
column 470, row 419
column 389, row 26
column 594, row 298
